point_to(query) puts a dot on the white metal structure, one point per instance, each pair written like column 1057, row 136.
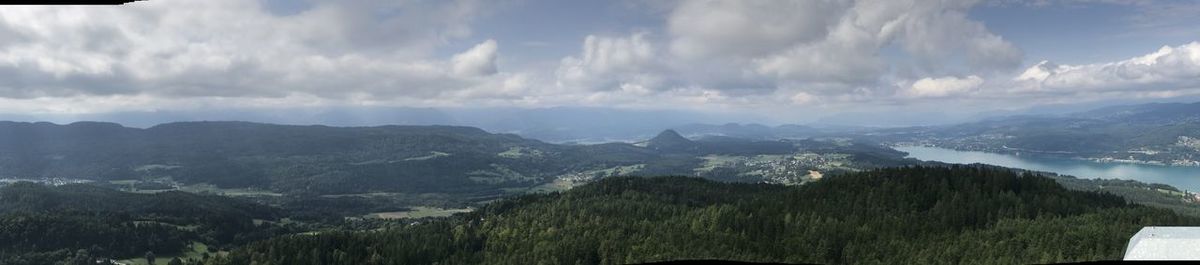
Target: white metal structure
column 1164, row 243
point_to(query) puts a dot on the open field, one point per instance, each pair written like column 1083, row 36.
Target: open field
column 128, row 185
column 568, row 181
column 419, row 212
column 432, row 155
column 518, row 152
column 363, row 195
column 208, row 188
column 560, row 184
column 196, row 252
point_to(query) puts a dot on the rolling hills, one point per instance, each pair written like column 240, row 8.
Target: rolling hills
column 322, row 160
column 927, row 215
column 1160, row 133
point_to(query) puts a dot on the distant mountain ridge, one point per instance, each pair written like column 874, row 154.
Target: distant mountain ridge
column 1157, row 133
column 671, row 141
column 467, row 162
column 1151, row 113
column 317, row 159
column 551, row 124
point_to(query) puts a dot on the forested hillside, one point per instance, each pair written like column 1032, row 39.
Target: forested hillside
column 42, row 224
column 913, row 215
column 1161, row 133
column 320, row 160
column 313, row 159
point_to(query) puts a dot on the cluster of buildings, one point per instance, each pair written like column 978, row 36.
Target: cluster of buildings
column 796, row 169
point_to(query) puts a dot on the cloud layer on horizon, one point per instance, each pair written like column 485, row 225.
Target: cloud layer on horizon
column 723, row 55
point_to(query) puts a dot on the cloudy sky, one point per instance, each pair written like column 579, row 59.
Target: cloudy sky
column 794, row 61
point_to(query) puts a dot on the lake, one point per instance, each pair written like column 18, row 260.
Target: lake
column 1181, row 177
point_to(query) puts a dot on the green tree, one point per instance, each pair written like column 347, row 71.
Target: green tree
column 149, row 257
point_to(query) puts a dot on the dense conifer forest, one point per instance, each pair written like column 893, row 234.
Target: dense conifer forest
column 915, row 215
column 43, row 224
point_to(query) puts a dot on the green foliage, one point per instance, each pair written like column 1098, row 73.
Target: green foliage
column 39, row 222
column 1157, row 195
column 922, row 215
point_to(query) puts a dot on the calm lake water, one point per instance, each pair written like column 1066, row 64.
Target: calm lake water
column 1181, row 177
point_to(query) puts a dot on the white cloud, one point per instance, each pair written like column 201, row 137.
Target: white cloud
column 707, row 54
column 478, row 61
column 610, row 63
column 796, row 51
column 229, row 48
column 801, row 98
column 836, row 41
column 1168, row 68
column 814, row 51
column 943, row 86
column 748, row 28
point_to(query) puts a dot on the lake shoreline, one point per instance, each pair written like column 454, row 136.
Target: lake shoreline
column 1065, row 155
column 1183, row 177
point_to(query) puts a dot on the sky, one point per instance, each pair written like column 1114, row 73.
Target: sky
column 790, row 61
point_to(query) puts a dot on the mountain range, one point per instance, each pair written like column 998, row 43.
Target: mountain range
column 1161, row 133
column 350, row 160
